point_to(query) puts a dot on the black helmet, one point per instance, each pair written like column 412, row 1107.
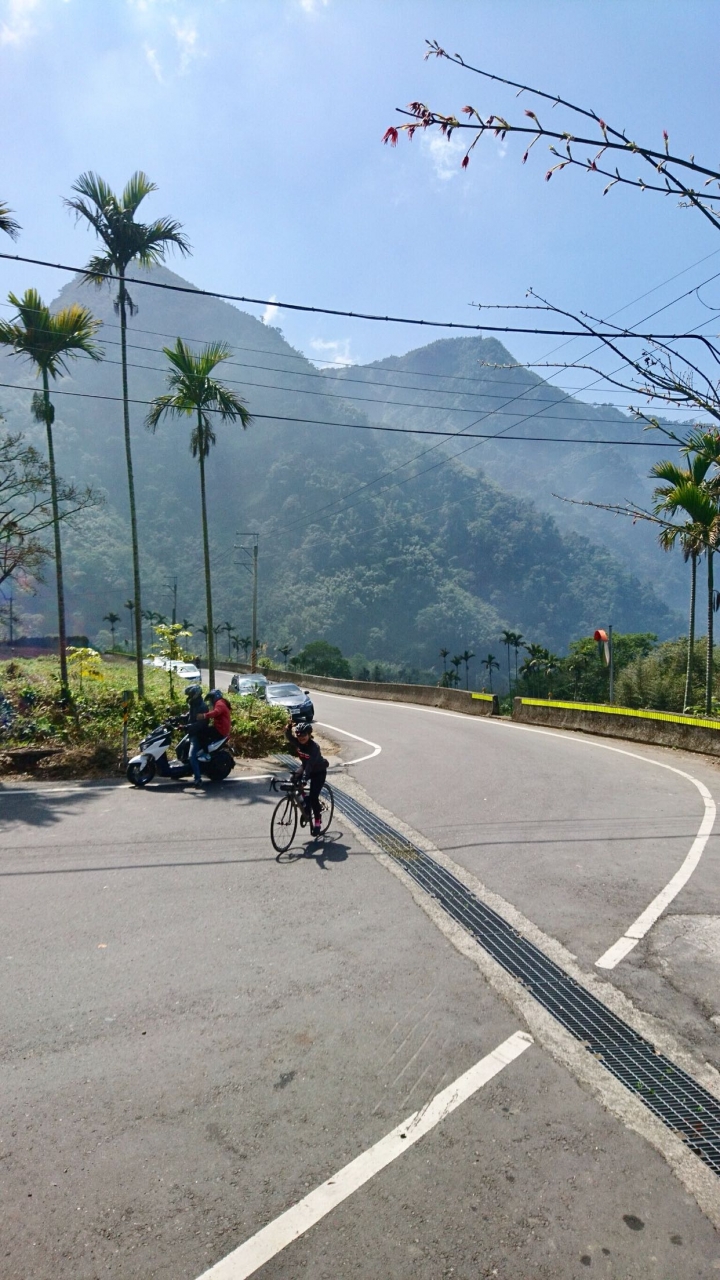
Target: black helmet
column 193, row 691
column 303, row 726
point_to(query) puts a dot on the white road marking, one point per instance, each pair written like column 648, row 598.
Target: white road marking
column 260, row 1248
column 639, row 927
column 376, row 749
column 637, row 930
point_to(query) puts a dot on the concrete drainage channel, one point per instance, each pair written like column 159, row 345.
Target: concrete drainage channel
column 673, row 1096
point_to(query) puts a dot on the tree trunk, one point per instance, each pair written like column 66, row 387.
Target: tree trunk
column 509, row 681
column 691, row 630
column 206, row 550
column 62, row 636
column 709, row 654
column 131, row 493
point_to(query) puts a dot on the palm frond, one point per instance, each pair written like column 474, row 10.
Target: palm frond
column 46, row 338
column 166, row 404
column 135, row 191
column 113, row 220
column 98, row 269
column 193, row 391
column 158, row 236
column 8, row 224
column 93, row 188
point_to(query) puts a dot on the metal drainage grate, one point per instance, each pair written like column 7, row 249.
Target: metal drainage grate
column 682, row 1104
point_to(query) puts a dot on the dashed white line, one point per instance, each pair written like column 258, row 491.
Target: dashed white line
column 276, row 1236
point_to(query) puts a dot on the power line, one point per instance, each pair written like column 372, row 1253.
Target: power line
column 352, row 315
column 364, row 426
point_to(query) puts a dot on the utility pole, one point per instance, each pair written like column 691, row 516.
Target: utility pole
column 611, row 664
column 255, row 537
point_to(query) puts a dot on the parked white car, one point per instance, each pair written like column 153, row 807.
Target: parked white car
column 184, row 671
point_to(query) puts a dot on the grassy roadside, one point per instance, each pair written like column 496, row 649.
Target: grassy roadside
column 85, row 734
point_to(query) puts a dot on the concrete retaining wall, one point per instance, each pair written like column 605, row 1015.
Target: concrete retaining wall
column 472, row 704
column 658, row 727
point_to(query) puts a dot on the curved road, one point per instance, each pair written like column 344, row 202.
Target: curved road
column 579, row 833
column 203, row 1048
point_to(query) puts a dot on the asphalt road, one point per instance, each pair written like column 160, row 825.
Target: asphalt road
column 195, row 1036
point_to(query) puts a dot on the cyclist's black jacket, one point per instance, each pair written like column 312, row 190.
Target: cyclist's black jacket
column 309, row 754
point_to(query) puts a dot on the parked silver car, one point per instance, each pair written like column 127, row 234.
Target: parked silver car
column 297, row 701
column 253, row 683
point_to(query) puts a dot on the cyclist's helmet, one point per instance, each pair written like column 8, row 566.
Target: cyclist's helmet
column 303, row 727
column 214, row 694
column 193, row 691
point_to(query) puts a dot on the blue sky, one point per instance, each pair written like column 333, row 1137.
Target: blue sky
column 261, row 122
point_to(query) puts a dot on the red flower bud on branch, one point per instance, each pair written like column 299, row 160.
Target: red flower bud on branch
column 391, row 136
column 465, row 162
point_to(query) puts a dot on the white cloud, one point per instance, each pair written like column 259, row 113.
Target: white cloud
column 171, row 38
column 335, row 352
column 313, row 7
column 270, row 311
column 186, row 36
column 16, row 24
column 153, row 63
column 445, row 154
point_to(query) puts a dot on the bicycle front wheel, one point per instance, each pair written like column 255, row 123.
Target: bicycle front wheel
column 327, row 807
column 283, row 824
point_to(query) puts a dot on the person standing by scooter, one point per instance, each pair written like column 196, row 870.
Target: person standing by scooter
column 196, row 727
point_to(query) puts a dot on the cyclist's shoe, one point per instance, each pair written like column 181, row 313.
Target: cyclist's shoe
column 317, row 829
column 303, row 820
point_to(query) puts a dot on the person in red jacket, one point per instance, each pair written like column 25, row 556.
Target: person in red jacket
column 218, row 720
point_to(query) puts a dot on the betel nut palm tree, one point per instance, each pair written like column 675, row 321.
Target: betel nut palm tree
column 466, row 656
column 491, row 664
column 696, row 495
column 690, row 538
column 49, row 340
column 124, row 241
column 112, row 619
column 194, row 393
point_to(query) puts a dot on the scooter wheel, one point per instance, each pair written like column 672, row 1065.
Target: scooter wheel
column 220, row 768
column 141, row 774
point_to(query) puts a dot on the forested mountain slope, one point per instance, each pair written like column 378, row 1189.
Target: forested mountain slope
column 454, row 382
column 356, row 545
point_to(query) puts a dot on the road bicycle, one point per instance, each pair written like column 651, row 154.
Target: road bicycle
column 292, row 808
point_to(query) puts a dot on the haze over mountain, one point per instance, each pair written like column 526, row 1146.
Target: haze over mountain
column 458, row 384
column 362, row 541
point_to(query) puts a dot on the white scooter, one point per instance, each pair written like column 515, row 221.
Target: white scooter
column 216, row 759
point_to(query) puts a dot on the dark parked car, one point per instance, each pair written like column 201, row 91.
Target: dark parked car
column 297, row 701
column 244, row 684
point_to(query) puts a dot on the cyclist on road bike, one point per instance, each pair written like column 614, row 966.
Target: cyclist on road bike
column 313, row 767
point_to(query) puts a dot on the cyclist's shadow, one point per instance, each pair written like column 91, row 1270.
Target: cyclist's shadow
column 322, row 850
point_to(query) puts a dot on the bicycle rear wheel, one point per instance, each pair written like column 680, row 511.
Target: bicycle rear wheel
column 327, row 807
column 283, row 824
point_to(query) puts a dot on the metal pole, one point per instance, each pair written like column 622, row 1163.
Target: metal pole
column 612, row 664
column 174, row 615
column 253, row 658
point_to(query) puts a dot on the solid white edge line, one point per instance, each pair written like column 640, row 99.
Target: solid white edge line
column 346, row 763
column 277, row 1235
column 648, row 917
column 637, row 930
